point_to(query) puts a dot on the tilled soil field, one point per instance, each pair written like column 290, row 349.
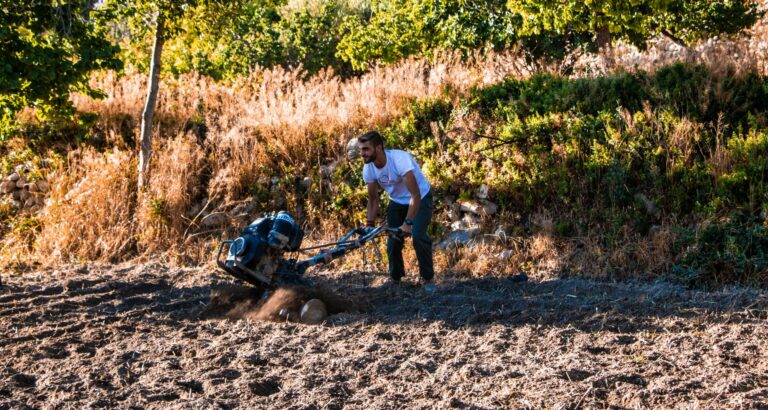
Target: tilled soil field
column 151, row 336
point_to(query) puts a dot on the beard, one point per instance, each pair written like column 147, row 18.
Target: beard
column 370, row 159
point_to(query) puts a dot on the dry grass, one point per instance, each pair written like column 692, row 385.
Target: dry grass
column 266, row 119
column 164, row 211
column 654, row 253
column 542, row 255
column 90, row 212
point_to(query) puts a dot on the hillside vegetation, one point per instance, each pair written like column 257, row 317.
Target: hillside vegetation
column 646, row 164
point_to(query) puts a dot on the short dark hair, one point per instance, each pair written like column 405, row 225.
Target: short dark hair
column 372, row 137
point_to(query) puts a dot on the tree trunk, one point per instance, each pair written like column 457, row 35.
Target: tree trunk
column 149, row 107
column 603, row 38
column 604, row 45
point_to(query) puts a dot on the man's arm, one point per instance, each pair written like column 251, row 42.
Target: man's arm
column 373, row 202
column 413, row 206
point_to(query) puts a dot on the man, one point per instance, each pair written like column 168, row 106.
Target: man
column 410, row 203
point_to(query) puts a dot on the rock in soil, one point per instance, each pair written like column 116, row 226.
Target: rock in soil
column 313, row 312
column 7, row 187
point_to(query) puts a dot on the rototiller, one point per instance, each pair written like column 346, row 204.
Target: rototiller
column 257, row 255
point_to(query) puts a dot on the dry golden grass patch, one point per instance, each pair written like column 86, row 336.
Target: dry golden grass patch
column 655, row 252
column 89, row 215
column 177, row 182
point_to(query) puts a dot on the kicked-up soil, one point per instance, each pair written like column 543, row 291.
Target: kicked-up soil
column 152, row 336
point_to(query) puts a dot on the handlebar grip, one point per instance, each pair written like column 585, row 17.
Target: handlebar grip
column 398, row 233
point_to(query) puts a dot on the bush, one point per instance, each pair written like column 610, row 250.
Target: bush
column 691, row 91
column 545, row 93
column 733, row 251
column 408, row 131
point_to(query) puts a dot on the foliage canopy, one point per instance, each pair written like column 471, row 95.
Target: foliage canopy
column 637, row 21
column 49, row 49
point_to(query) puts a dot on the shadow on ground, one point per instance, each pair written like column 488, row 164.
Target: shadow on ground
column 621, row 307
column 583, row 304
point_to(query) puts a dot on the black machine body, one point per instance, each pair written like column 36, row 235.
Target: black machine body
column 256, row 256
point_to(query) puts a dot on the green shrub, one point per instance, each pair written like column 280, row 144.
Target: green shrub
column 733, row 251
column 408, row 131
column 546, row 93
column 691, row 91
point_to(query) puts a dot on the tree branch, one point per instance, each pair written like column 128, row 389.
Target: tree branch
column 674, row 39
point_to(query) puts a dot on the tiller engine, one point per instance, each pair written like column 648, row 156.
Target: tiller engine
column 257, row 255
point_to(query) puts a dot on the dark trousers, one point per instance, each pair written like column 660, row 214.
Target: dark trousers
column 422, row 243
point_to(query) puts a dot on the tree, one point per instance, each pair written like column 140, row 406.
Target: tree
column 230, row 45
column 163, row 18
column 400, row 28
column 49, row 50
column 691, row 21
column 636, row 21
column 310, row 37
column 262, row 33
column 145, row 154
column 160, row 16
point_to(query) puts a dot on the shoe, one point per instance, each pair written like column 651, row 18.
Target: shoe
column 392, row 284
column 430, row 287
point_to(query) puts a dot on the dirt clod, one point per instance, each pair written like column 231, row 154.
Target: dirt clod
column 265, row 387
column 24, row 380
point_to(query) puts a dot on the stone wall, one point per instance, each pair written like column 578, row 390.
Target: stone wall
column 26, row 191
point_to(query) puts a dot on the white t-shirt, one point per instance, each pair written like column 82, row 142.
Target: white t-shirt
column 390, row 177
